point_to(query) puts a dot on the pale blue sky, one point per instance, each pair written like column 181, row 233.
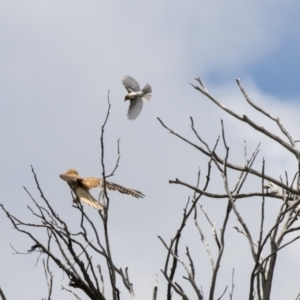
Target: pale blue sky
column 58, row 59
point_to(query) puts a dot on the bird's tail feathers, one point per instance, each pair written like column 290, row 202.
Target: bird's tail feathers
column 147, row 91
column 115, row 187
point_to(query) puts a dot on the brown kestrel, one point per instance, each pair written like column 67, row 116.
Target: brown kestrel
column 81, row 186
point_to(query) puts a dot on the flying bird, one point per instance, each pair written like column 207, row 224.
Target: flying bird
column 136, row 96
column 81, row 186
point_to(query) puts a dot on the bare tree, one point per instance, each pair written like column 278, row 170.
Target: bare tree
column 78, row 252
column 75, row 252
column 2, row 295
column 271, row 240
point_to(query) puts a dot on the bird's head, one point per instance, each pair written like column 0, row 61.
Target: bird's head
column 71, row 172
column 126, row 98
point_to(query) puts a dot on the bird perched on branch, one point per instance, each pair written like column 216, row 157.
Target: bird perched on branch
column 274, row 189
column 136, row 96
column 81, row 186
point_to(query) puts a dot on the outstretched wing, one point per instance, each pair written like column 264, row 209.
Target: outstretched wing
column 90, row 182
column 135, row 108
column 86, row 197
column 74, row 179
column 130, row 84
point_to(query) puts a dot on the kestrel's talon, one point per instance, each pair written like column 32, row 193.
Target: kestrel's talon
column 136, row 96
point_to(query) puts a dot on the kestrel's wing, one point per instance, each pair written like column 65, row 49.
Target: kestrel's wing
column 86, row 197
column 90, row 182
column 135, row 108
column 130, row 84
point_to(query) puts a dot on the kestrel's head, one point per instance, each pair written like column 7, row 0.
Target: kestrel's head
column 72, row 172
column 69, row 173
column 126, row 98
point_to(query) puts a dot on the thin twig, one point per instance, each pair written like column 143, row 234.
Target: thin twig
column 2, row 294
column 155, row 288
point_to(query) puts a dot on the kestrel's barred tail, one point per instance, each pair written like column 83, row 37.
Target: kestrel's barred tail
column 115, row 187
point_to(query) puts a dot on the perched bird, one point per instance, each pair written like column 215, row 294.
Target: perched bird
column 277, row 191
column 81, row 186
column 273, row 189
column 136, row 96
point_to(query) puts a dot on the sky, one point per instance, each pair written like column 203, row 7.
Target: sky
column 58, row 62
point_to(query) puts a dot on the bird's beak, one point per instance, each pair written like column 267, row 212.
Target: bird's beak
column 62, row 176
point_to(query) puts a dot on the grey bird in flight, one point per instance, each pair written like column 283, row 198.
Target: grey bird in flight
column 136, row 96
